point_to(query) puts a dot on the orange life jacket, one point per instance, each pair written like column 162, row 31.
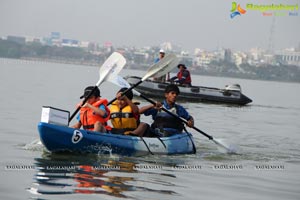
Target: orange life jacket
column 88, row 118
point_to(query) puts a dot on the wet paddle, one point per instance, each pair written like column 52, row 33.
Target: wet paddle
column 123, row 83
column 111, row 67
column 158, row 69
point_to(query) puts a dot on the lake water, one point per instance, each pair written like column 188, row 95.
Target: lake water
column 267, row 133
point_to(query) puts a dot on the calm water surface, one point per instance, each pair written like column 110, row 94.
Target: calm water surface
column 267, row 133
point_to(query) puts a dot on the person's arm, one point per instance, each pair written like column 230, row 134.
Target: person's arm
column 190, row 122
column 77, row 125
column 143, row 109
column 97, row 110
column 149, row 107
column 173, row 78
column 134, row 108
column 184, row 114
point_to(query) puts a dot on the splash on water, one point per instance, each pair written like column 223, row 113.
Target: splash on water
column 35, row 145
column 100, row 149
column 225, row 147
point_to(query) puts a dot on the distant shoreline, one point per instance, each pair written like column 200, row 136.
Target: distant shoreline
column 30, row 60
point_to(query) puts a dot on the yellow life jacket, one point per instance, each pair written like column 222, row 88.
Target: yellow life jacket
column 122, row 118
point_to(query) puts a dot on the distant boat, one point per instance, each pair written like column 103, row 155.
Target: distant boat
column 231, row 94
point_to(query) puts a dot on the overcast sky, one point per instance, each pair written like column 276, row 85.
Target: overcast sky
column 188, row 23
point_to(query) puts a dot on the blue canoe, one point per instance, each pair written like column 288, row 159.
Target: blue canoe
column 62, row 138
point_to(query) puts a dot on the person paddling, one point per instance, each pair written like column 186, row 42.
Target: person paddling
column 125, row 116
column 164, row 123
column 94, row 114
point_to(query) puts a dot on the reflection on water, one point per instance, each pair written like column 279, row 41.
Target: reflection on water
column 61, row 174
column 91, row 180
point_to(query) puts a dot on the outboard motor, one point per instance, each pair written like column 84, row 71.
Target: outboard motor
column 233, row 87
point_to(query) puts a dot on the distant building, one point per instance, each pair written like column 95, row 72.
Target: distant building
column 84, row 44
column 288, row 56
column 108, row 46
column 56, row 42
column 256, row 54
column 256, row 57
column 239, row 58
column 269, row 59
column 16, row 39
column 223, row 55
column 52, row 40
column 55, row 35
column 33, row 39
column 167, row 46
column 185, row 59
column 93, row 47
column 70, row 43
column 227, row 55
column 203, row 58
column 197, row 51
column 47, row 41
column 139, row 57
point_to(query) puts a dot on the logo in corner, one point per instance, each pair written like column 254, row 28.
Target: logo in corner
column 236, row 9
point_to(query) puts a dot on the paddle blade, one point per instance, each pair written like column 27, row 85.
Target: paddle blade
column 225, row 147
column 111, row 67
column 170, row 66
column 121, row 82
column 161, row 68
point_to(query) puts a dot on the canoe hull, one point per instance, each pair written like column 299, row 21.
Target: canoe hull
column 191, row 94
column 61, row 139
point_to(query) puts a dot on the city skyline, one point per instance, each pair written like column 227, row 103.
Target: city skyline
column 190, row 24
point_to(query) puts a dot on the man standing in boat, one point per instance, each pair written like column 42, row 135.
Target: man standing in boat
column 165, row 77
column 183, row 76
column 94, row 114
column 164, row 123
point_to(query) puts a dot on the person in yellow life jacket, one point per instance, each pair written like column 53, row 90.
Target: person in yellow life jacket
column 94, row 114
column 125, row 116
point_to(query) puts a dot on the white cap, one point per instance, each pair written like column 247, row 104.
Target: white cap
column 161, row 51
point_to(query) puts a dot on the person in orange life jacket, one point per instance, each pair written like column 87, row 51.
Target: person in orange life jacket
column 125, row 116
column 162, row 78
column 94, row 114
column 183, row 76
column 164, row 123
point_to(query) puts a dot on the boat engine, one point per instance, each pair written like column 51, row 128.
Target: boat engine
column 233, row 87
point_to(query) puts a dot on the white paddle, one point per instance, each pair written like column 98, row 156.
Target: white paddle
column 110, row 68
column 163, row 66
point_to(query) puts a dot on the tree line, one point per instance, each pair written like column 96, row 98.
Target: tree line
column 10, row 49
